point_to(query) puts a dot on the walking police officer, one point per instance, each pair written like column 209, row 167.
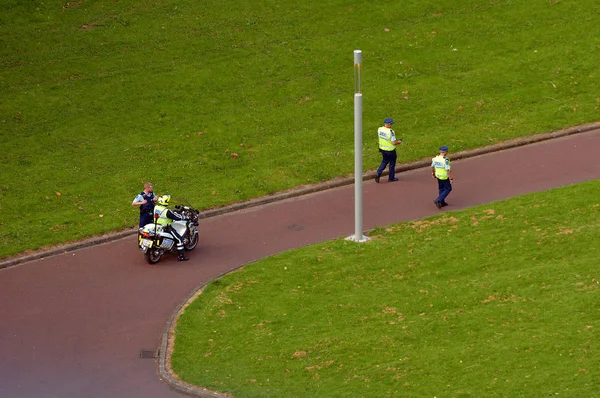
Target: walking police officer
column 387, row 147
column 145, row 200
column 440, row 170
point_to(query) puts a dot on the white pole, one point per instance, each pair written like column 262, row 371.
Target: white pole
column 358, row 173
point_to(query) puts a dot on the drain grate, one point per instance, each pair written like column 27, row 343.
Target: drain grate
column 296, row 227
column 148, row 354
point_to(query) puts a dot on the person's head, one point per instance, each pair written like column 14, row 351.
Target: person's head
column 388, row 122
column 148, row 187
column 164, row 200
column 443, row 150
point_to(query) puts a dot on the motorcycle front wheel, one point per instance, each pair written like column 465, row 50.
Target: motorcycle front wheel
column 191, row 245
column 152, row 256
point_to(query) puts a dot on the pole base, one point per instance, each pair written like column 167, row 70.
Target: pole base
column 362, row 239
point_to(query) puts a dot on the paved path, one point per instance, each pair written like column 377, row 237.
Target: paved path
column 73, row 325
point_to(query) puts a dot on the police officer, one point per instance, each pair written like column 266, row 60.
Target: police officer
column 387, row 147
column 440, row 170
column 165, row 218
column 145, row 200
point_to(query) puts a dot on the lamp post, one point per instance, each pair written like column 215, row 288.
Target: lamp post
column 358, row 174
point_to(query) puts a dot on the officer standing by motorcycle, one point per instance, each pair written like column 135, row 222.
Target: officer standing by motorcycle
column 165, row 218
column 145, row 200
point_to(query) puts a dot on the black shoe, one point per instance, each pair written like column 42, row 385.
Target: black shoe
column 393, row 179
column 377, row 176
column 438, row 203
column 182, row 258
column 444, row 204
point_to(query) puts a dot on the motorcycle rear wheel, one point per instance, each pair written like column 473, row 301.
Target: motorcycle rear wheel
column 192, row 243
column 152, row 256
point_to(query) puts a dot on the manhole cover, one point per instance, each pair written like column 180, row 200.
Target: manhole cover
column 296, row 227
column 148, row 354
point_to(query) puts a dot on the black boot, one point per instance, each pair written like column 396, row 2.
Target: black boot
column 182, row 257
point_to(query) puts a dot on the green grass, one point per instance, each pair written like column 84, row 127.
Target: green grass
column 499, row 300
column 101, row 96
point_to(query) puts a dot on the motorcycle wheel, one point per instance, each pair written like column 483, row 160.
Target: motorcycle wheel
column 192, row 243
column 152, row 256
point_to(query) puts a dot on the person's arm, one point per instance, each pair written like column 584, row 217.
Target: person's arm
column 448, row 170
column 393, row 139
column 138, row 201
column 433, row 172
column 173, row 216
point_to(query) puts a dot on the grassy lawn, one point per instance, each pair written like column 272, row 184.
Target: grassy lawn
column 499, row 300
column 101, row 96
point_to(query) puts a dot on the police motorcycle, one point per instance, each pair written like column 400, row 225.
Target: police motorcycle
column 154, row 239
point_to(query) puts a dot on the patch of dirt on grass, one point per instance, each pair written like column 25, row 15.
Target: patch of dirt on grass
column 421, row 226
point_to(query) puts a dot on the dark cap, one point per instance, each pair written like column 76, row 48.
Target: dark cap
column 389, row 120
column 444, row 148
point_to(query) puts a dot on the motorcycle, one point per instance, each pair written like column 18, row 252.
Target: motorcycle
column 155, row 240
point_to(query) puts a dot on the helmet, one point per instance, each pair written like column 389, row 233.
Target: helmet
column 164, row 200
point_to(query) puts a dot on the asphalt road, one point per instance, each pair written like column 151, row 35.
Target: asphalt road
column 73, row 325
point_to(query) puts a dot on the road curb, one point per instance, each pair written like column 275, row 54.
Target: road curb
column 338, row 182
column 164, row 363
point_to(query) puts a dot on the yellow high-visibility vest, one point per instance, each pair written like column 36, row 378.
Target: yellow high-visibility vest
column 386, row 136
column 162, row 215
column 442, row 165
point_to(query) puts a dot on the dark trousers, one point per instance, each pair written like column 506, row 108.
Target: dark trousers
column 146, row 218
column 178, row 238
column 388, row 157
column 444, row 188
